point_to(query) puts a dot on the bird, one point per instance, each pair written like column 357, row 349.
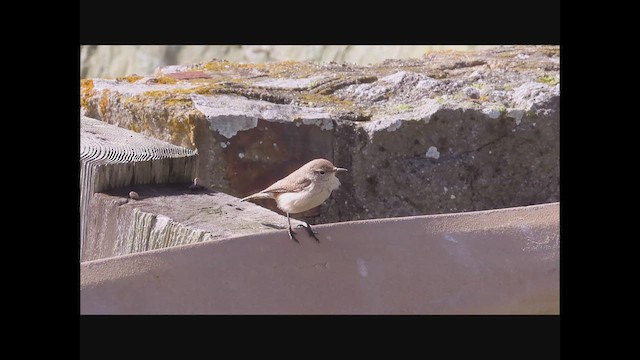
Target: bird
column 302, row 190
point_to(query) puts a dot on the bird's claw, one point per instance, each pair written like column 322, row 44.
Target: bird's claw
column 291, row 236
column 310, row 231
column 313, row 235
column 308, row 228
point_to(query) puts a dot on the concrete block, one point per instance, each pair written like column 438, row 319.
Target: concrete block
column 413, row 139
column 113, row 157
column 169, row 215
column 490, row 262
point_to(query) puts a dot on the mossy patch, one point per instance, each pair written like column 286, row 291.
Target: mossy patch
column 318, row 99
column 547, row 79
column 178, row 127
column 551, row 51
column 400, row 108
column 438, row 75
column 507, row 87
column 178, row 101
column 289, row 69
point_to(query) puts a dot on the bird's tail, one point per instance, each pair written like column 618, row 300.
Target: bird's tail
column 259, row 195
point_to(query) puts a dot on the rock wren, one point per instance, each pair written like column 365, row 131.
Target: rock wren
column 302, row 190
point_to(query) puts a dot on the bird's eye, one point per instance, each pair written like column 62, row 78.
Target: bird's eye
column 321, row 172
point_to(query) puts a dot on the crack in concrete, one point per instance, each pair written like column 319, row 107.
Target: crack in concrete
column 318, row 265
column 273, row 96
column 499, row 138
column 463, row 64
column 333, row 86
column 449, row 158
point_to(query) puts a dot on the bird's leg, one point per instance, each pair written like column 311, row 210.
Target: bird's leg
column 310, row 231
column 291, row 232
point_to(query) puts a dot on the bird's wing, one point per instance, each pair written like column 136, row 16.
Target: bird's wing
column 282, row 186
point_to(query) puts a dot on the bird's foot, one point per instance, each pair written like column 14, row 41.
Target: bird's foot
column 291, row 236
column 310, row 231
column 302, row 226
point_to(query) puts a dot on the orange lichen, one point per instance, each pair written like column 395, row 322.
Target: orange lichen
column 104, row 102
column 181, row 129
column 130, row 78
column 166, row 80
column 86, row 85
column 86, row 92
column 178, row 101
column 155, row 93
column 215, row 66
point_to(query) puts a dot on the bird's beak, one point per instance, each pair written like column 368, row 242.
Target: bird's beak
column 340, row 169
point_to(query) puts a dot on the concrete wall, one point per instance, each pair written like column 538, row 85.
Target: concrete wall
column 491, row 262
column 447, row 132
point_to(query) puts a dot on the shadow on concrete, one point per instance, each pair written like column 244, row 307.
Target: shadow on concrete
column 159, row 190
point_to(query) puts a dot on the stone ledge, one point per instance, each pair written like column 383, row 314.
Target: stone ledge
column 490, row 262
column 169, row 215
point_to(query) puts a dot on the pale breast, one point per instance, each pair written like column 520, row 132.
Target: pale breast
column 301, row 201
column 308, row 198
